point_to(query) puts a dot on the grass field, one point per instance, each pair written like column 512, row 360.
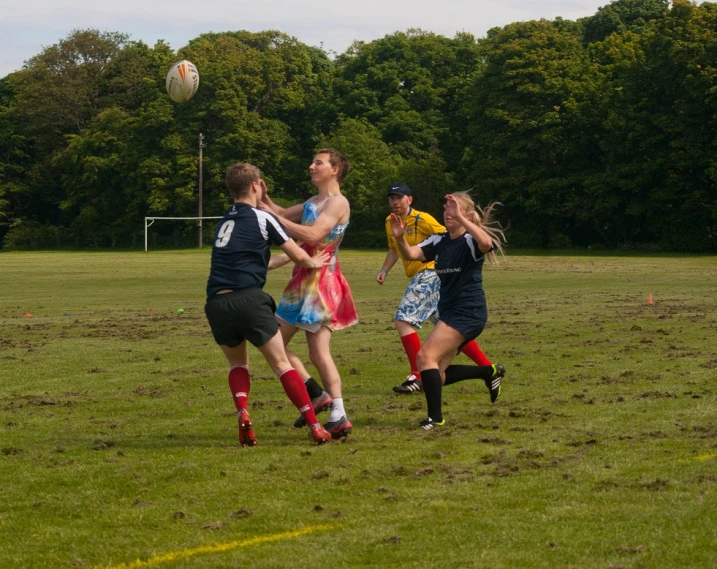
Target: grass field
column 118, row 435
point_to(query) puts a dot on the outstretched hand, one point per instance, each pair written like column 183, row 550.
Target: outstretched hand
column 397, row 226
column 321, row 258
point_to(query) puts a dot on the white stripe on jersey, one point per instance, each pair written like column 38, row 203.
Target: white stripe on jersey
column 264, row 217
column 471, row 245
column 434, row 240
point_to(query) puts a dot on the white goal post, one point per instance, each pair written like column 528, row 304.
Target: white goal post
column 153, row 219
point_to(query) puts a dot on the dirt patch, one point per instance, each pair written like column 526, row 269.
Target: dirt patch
column 154, row 391
column 657, row 395
column 17, row 401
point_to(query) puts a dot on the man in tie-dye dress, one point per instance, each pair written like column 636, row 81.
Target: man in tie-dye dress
column 319, row 302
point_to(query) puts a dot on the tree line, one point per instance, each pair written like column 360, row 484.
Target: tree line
column 598, row 133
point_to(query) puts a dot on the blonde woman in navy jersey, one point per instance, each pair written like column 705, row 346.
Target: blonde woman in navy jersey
column 459, row 254
column 420, row 300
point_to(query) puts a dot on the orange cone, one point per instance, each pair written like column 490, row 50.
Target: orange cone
column 649, row 299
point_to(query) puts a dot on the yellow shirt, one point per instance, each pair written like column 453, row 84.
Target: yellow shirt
column 419, row 226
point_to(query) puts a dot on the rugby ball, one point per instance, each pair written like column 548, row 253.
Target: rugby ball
column 182, row 81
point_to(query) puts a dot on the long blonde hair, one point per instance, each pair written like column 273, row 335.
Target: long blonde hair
column 484, row 218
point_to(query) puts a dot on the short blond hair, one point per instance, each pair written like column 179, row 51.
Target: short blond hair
column 240, row 177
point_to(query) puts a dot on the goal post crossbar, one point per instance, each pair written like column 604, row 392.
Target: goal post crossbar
column 152, row 219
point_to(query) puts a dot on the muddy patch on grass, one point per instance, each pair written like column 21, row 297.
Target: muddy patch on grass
column 17, row 401
column 100, row 444
column 154, row 391
column 452, row 474
column 708, row 431
column 657, row 395
column 493, row 441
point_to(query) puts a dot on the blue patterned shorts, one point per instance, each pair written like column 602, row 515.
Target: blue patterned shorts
column 420, row 300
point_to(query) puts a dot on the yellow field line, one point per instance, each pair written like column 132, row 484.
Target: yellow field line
column 216, row 548
column 706, row 457
column 700, row 458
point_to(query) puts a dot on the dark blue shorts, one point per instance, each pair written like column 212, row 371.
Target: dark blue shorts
column 468, row 320
column 246, row 314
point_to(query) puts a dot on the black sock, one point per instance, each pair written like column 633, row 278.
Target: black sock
column 314, row 389
column 431, row 379
column 456, row 373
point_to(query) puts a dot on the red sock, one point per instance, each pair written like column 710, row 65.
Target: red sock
column 473, row 351
column 296, row 390
column 239, row 384
column 412, row 343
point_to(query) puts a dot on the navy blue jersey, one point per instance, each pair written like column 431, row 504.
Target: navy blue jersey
column 459, row 265
column 241, row 251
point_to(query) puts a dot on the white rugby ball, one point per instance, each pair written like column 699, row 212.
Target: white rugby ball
column 182, row 81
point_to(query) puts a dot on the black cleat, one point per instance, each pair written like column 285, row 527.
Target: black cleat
column 411, row 385
column 340, row 428
column 320, row 403
column 493, row 384
column 429, row 424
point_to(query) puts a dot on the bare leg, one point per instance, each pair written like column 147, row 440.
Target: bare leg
column 439, row 349
column 435, row 355
column 320, row 355
column 276, row 357
column 404, row 328
column 287, row 333
column 236, row 355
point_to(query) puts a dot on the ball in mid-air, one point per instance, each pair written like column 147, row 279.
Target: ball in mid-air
column 182, row 81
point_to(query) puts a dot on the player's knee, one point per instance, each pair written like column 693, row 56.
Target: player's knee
column 421, row 359
column 319, row 359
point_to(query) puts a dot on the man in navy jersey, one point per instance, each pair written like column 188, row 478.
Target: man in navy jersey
column 237, row 308
column 459, row 254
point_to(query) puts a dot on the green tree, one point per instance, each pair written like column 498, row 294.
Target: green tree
column 530, row 126
column 14, row 158
column 659, row 138
column 621, row 16
column 410, row 86
column 251, row 85
column 56, row 95
column 374, row 166
column 429, row 181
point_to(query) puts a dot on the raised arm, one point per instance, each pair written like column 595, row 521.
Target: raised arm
column 292, row 213
column 411, row 253
column 336, row 211
column 484, row 241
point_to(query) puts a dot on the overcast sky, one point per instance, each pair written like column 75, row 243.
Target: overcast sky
column 26, row 26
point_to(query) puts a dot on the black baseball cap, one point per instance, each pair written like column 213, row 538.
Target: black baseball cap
column 399, row 189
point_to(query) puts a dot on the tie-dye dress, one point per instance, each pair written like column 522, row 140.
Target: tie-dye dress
column 319, row 297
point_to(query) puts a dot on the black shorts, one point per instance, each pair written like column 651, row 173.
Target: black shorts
column 469, row 320
column 246, row 314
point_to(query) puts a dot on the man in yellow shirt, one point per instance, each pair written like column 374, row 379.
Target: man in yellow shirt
column 420, row 300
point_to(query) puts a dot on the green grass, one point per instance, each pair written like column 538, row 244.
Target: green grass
column 118, row 434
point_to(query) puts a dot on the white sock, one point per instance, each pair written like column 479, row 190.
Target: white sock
column 337, row 410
